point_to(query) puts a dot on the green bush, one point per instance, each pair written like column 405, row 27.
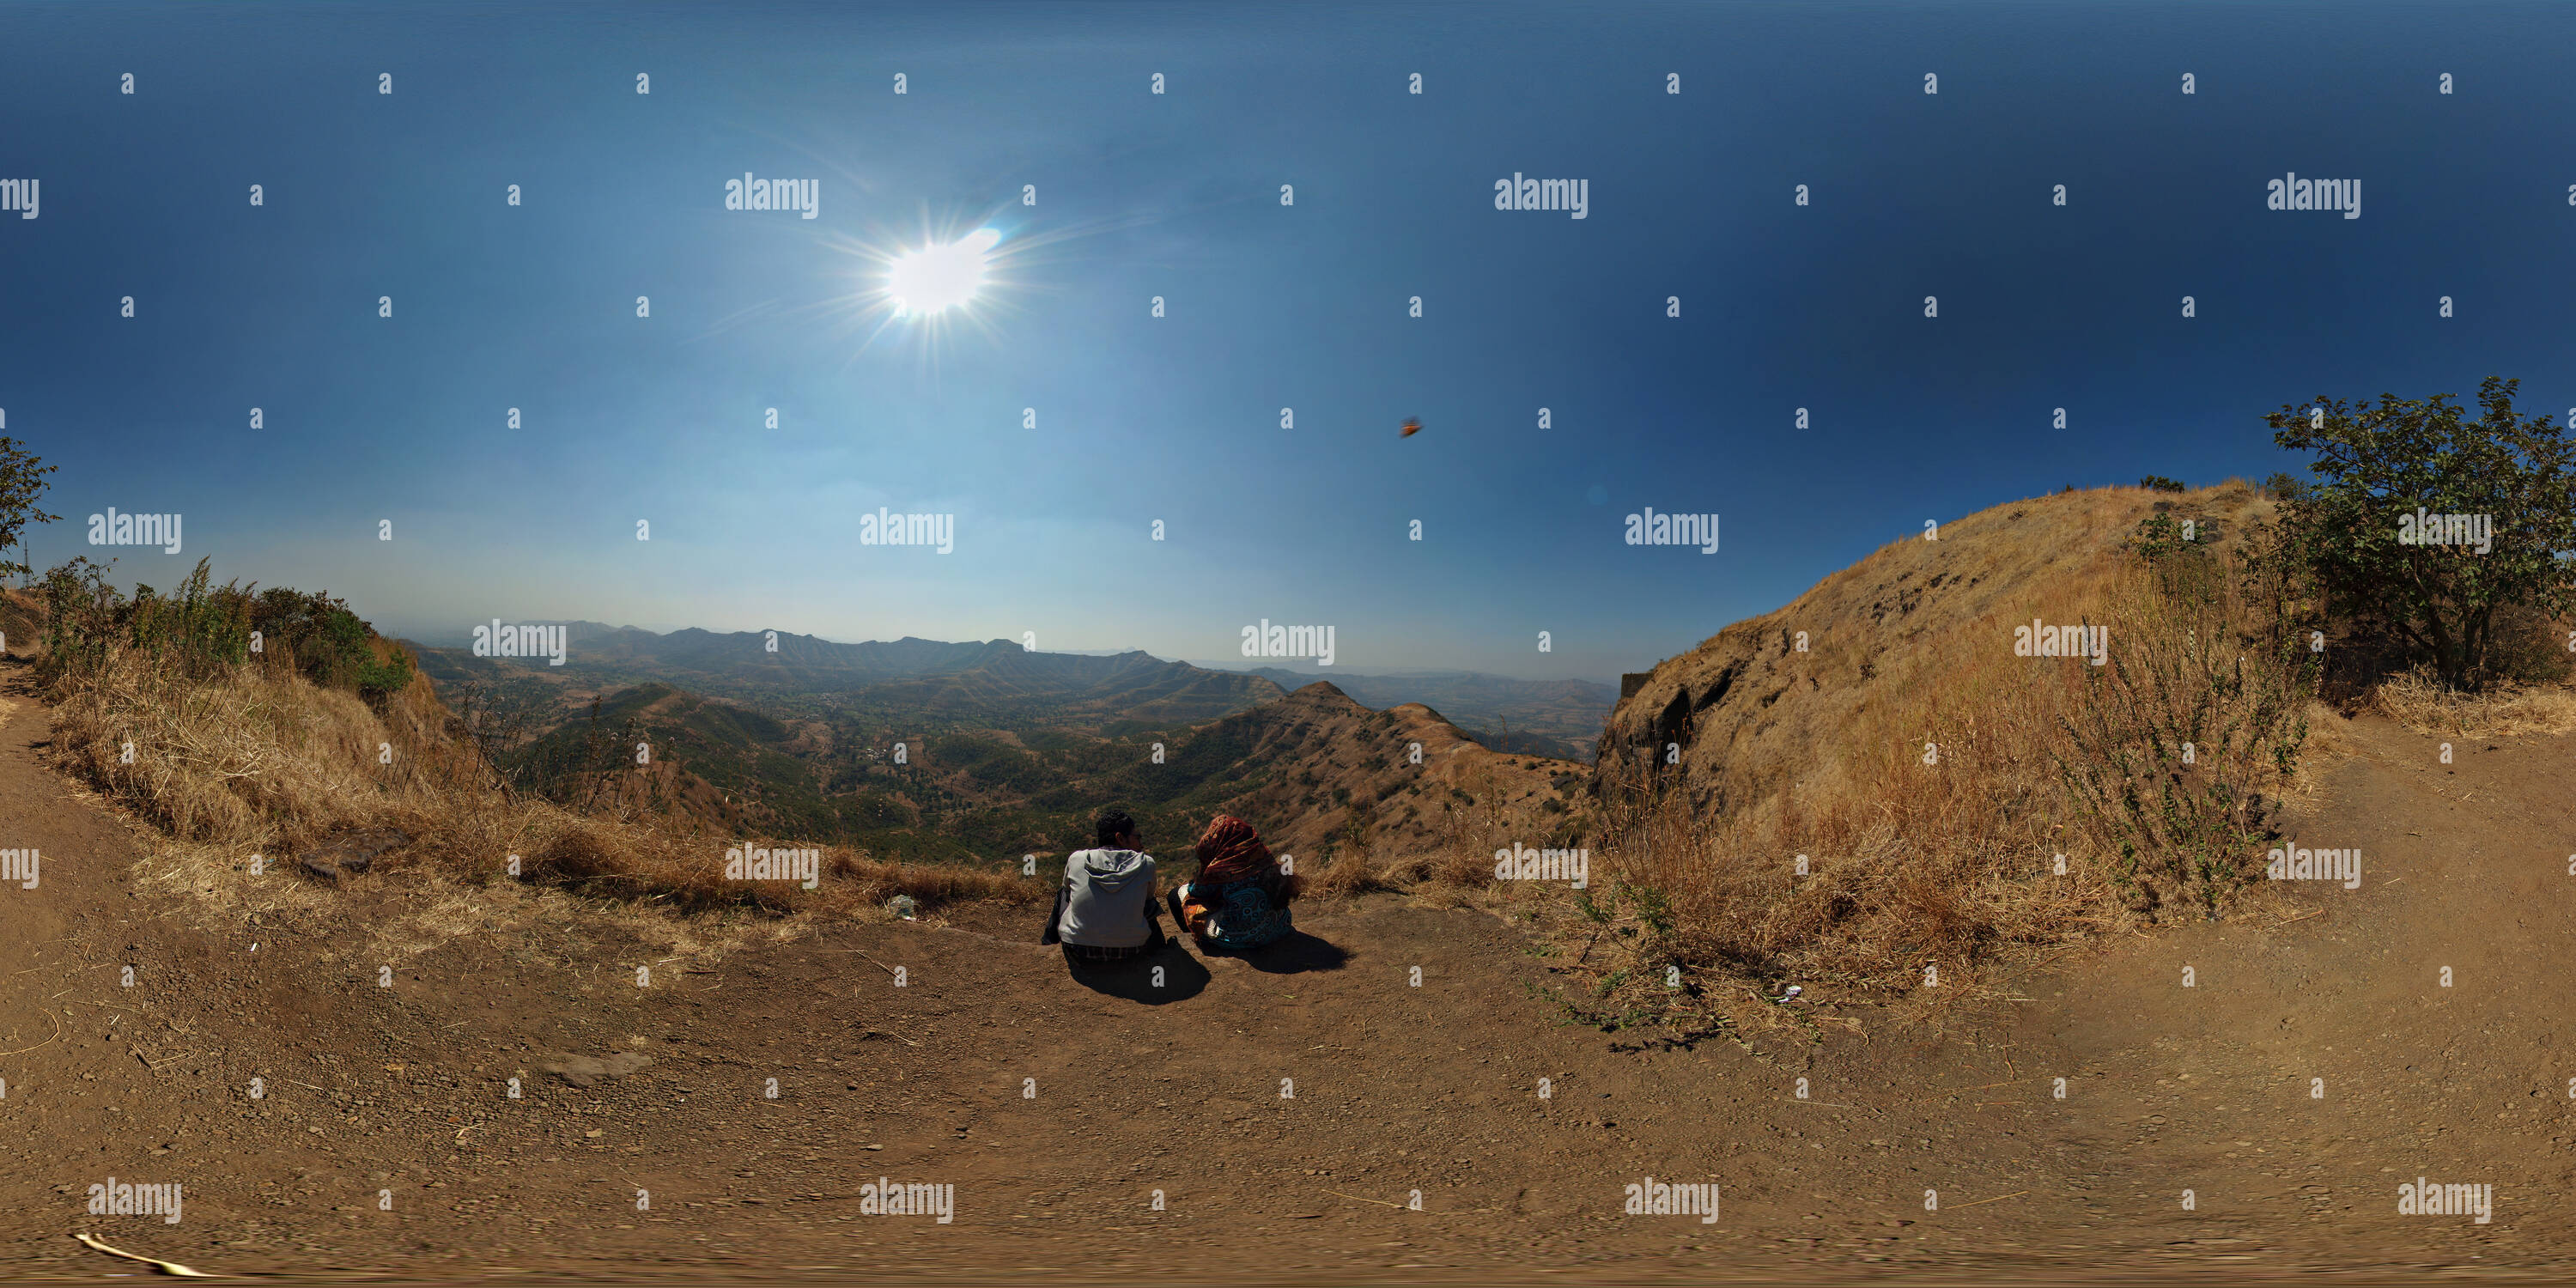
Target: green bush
column 196, row 627
column 2439, row 604
column 199, row 627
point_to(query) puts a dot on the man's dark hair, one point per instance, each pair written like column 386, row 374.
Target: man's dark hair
column 1113, row 824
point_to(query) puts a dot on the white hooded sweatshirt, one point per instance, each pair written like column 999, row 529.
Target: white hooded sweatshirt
column 1106, row 895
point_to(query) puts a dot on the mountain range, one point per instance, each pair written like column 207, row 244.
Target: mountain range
column 980, row 750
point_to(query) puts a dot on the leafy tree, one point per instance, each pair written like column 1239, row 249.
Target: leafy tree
column 22, row 480
column 2375, row 463
column 2159, row 483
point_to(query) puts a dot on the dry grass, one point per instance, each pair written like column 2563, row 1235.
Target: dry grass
column 1908, row 865
column 266, row 762
column 2421, row 702
column 252, row 761
column 1947, row 867
column 1461, row 843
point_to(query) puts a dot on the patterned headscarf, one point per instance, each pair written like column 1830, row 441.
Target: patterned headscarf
column 1231, row 851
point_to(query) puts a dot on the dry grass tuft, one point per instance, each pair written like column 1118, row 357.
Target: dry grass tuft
column 2419, row 700
column 269, row 762
column 251, row 760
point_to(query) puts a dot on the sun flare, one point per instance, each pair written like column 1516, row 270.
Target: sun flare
column 936, row 278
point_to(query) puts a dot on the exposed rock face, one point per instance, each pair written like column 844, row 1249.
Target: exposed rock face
column 1679, row 722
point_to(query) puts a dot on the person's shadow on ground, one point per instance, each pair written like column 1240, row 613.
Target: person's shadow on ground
column 1294, row 953
column 1168, row 974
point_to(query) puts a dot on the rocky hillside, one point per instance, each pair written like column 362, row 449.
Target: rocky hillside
column 1332, row 773
column 1756, row 706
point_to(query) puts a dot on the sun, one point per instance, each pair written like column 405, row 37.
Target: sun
column 928, row 289
column 936, row 278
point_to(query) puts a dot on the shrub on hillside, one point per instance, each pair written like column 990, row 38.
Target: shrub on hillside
column 240, row 755
column 198, row 628
column 2171, row 754
column 318, row 635
column 2353, row 532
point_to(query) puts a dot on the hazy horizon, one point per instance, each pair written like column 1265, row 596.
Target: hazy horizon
column 445, row 636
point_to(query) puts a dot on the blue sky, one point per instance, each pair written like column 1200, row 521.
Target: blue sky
column 1138, row 195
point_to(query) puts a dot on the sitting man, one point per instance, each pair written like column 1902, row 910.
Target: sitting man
column 1105, row 910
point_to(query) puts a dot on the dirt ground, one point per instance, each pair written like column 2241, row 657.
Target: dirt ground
column 386, row 1144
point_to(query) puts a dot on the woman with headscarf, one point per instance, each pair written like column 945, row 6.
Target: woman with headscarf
column 1239, row 899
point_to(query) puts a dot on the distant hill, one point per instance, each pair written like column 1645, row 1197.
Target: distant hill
column 1123, row 692
column 799, row 661
column 781, row 660
column 722, row 766
column 908, row 685
column 998, row 684
column 1558, row 718
column 1316, row 772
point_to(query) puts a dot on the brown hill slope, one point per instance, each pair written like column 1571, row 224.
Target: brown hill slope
column 1750, row 711
column 1334, row 775
column 1916, row 793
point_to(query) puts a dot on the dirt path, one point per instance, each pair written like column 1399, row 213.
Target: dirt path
column 2313, row 1068
column 1056, row 1108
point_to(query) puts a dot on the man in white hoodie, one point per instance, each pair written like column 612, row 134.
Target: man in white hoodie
column 1105, row 910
